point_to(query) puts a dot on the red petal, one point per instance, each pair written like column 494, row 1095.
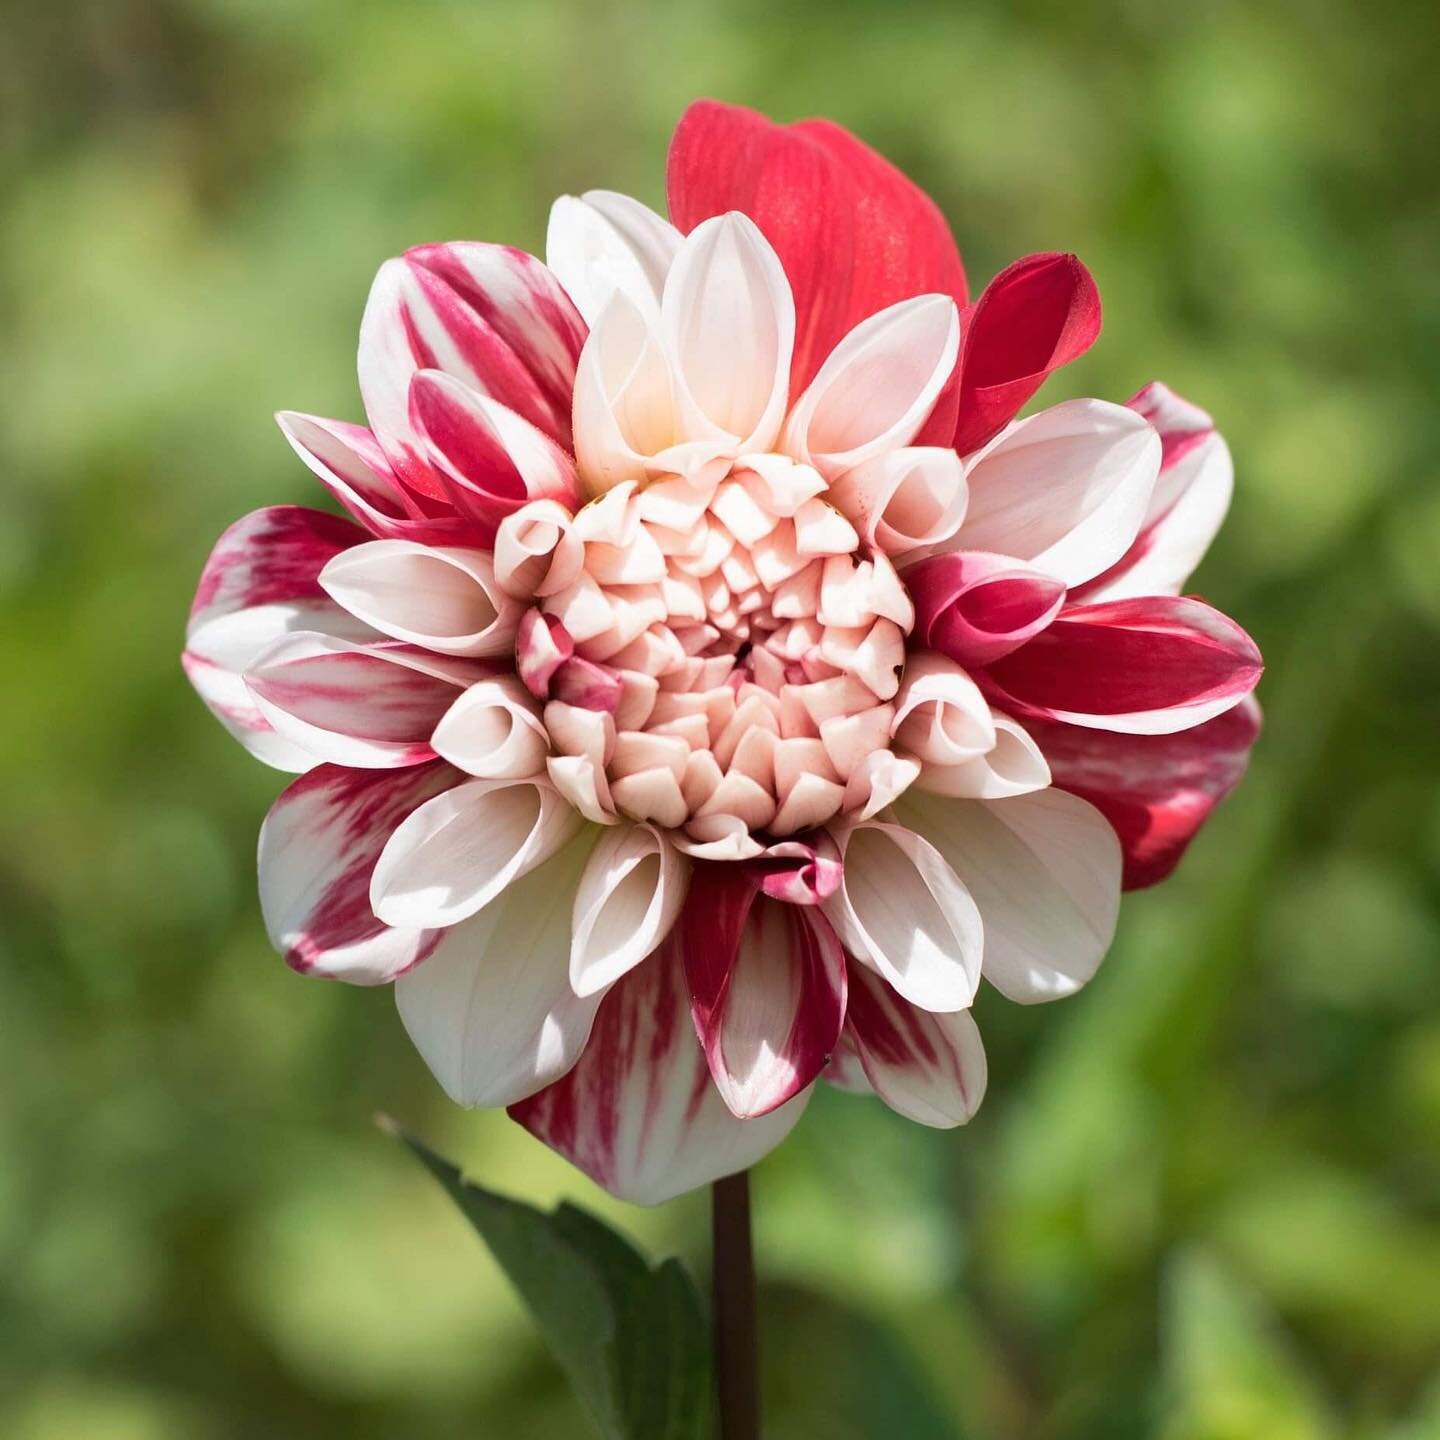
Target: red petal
column 1040, row 313
column 1150, row 666
column 767, row 987
column 1155, row 790
column 853, row 234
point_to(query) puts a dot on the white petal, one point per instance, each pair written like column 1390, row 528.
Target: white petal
column 1013, row 766
column 940, row 715
column 1045, row 871
column 902, row 910
column 729, row 324
column 493, row 731
column 1065, row 490
column 603, row 242
column 904, row 501
column 878, row 386
column 491, row 1011
column 629, row 896
column 443, row 598
column 457, row 852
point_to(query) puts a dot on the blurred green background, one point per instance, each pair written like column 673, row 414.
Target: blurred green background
column 1203, row 1199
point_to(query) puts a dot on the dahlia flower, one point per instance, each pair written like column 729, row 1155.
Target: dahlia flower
column 714, row 680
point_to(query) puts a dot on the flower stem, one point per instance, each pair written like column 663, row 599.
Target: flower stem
column 733, row 1309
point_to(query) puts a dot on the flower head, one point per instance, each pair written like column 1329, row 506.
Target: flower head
column 715, row 680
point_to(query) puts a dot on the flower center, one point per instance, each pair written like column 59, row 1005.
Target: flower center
column 735, row 654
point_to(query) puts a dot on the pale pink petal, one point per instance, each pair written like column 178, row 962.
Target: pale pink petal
column 767, row 987
column 1014, row 765
column 443, row 598
column 533, row 551
column 494, row 731
column 629, row 896
column 1191, row 497
column 370, row 706
column 318, row 847
column 930, row 1068
column 729, row 326
column 1064, row 491
column 940, row 715
column 902, row 910
column 260, row 584
column 1044, row 870
column 878, row 386
column 457, row 852
column 906, row 500
column 638, row 1113
column 491, row 1011
column 602, row 242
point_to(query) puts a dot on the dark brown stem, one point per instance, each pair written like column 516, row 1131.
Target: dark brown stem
column 733, row 1309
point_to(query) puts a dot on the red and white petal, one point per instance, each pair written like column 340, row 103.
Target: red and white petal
column 1064, row 491
column 350, row 463
column 494, row 731
column 491, row 1011
column 767, row 987
column 457, row 852
column 629, row 896
column 602, row 242
column 1038, row 314
column 369, row 706
column 902, row 910
column 904, row 500
column 1142, row 667
column 488, row 315
column 445, row 599
column 1014, row 765
column 318, row 848
column 1044, row 870
column 930, row 1068
column 489, row 460
column 1191, row 497
column 728, row 322
column 638, row 1113
column 1155, row 790
column 975, row 607
column 877, row 388
column 259, row 584
column 853, row 233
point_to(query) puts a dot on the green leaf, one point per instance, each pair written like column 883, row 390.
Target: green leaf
column 631, row 1339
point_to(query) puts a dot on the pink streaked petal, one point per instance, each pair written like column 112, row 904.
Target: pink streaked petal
column 976, row 607
column 1191, row 497
column 1040, row 313
column 491, row 317
column 368, row 706
column 639, row 1113
column 490, row 460
column 853, row 234
column 349, row 462
column 491, row 1011
column 767, row 988
column 318, row 848
column 1142, row 667
column 1155, row 790
column 801, row 872
column 930, row 1068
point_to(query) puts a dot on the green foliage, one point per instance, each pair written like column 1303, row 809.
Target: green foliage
column 631, row 1339
column 200, row 1234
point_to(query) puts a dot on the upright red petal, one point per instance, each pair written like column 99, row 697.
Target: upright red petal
column 1038, row 314
column 1155, row 790
column 853, row 234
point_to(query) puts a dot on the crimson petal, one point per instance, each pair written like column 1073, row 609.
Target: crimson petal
column 853, row 233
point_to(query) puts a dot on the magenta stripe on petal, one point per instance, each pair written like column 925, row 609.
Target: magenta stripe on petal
column 975, row 607
column 1158, row 664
